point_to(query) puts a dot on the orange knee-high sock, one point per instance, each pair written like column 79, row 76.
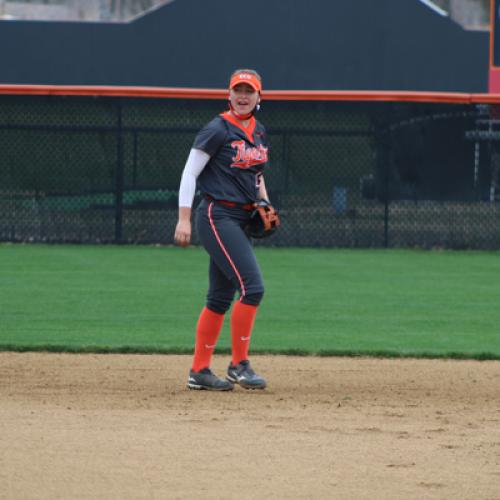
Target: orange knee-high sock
column 207, row 333
column 242, row 320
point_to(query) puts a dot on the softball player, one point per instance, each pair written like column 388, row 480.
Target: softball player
column 227, row 161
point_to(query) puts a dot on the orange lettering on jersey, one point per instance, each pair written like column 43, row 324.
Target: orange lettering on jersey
column 248, row 157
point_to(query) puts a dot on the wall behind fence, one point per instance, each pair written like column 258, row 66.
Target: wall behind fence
column 347, row 169
column 318, row 44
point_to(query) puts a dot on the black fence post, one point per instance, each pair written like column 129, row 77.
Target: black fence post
column 386, row 222
column 119, row 175
column 134, row 174
column 384, row 159
column 286, row 154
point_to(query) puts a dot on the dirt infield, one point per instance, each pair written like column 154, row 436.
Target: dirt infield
column 114, row 426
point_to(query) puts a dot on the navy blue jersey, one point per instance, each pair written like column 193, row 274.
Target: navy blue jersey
column 238, row 157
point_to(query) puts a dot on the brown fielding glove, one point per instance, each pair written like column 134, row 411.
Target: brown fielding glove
column 264, row 220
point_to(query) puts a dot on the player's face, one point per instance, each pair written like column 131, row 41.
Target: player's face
column 243, row 98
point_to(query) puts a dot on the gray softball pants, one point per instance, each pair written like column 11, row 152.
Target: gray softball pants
column 233, row 266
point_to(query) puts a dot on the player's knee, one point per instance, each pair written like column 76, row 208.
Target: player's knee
column 253, row 298
column 218, row 304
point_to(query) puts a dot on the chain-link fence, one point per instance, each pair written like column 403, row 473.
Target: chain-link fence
column 343, row 174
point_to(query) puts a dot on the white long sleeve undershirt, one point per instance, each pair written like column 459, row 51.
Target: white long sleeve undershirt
column 195, row 164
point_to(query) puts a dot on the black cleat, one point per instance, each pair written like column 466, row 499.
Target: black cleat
column 206, row 380
column 243, row 374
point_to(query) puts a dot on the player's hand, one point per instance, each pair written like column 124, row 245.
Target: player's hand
column 182, row 234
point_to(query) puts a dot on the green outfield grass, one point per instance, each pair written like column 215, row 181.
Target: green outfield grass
column 318, row 301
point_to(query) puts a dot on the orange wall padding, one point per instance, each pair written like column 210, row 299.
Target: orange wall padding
column 275, row 95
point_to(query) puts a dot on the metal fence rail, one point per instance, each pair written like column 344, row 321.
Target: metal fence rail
column 355, row 173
